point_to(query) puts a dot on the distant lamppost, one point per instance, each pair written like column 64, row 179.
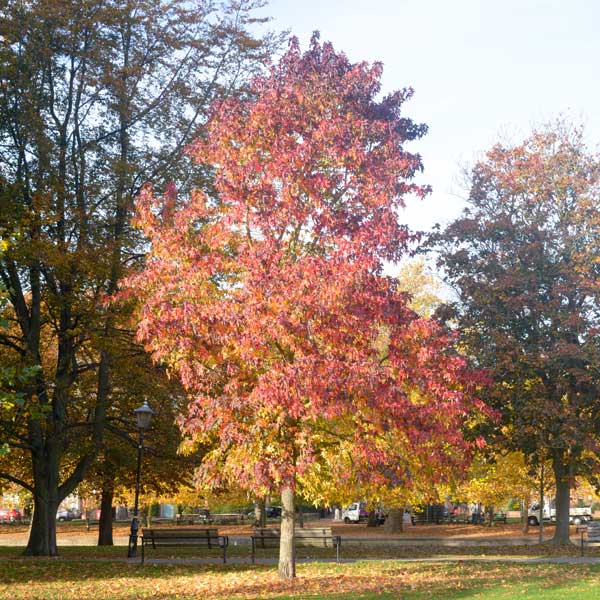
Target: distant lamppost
column 143, row 416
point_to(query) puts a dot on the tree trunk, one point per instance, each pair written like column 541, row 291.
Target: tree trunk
column 394, row 522
column 260, row 515
column 287, row 547
column 490, row 510
column 42, row 532
column 563, row 501
column 372, row 520
column 541, row 503
column 105, row 527
column 525, row 515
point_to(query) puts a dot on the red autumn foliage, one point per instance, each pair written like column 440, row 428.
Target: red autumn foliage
column 267, row 296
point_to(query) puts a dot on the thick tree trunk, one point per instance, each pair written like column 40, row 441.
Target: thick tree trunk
column 42, row 532
column 105, row 527
column 394, row 522
column 563, row 499
column 287, row 547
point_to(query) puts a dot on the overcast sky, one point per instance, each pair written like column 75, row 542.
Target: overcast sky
column 480, row 69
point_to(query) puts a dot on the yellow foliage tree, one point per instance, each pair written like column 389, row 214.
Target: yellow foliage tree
column 494, row 479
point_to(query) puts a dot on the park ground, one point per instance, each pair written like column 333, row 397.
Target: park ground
column 485, row 563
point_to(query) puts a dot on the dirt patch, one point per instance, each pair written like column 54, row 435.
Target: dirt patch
column 77, row 532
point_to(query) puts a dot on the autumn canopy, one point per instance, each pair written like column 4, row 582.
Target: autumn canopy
column 267, row 294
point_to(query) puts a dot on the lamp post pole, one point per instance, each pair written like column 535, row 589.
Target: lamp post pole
column 144, row 417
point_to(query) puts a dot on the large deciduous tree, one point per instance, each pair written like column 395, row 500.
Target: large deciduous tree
column 268, row 298
column 96, row 97
column 524, row 260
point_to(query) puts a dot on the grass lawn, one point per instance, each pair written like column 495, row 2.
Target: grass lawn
column 71, row 578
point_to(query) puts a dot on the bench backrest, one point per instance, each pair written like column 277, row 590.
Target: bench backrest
column 181, row 533
column 311, row 536
column 593, row 531
column 313, row 532
column 299, row 532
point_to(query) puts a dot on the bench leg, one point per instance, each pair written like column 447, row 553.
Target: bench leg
column 224, row 554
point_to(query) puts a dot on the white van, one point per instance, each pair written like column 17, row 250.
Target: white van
column 577, row 515
column 355, row 513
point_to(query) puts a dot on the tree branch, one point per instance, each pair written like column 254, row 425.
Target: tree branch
column 16, row 480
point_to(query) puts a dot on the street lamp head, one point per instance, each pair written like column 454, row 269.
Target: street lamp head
column 143, row 415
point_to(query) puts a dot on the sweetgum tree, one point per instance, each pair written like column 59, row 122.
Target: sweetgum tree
column 267, row 296
column 524, row 261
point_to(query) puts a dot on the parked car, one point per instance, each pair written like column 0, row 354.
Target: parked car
column 65, row 515
column 271, row 512
column 10, row 515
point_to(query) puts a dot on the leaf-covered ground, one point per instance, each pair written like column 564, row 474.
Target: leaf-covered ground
column 71, row 579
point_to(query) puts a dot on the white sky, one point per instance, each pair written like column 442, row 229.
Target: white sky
column 481, row 70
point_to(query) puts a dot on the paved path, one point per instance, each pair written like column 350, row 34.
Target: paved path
column 91, row 539
column 447, row 542
column 564, row 560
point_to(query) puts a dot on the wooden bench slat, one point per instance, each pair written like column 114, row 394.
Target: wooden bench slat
column 592, row 531
column 319, row 537
column 180, row 532
column 191, row 537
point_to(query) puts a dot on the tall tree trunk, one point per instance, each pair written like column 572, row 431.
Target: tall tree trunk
column 105, row 527
column 563, row 500
column 287, row 546
column 394, row 522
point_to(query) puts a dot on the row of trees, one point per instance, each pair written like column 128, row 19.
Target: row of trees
column 258, row 279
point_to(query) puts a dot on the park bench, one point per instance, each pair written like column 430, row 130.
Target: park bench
column 203, row 537
column 317, row 537
column 459, row 518
column 228, row 518
column 201, row 518
column 592, row 535
column 499, row 518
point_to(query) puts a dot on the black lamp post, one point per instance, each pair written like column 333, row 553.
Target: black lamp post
column 143, row 416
